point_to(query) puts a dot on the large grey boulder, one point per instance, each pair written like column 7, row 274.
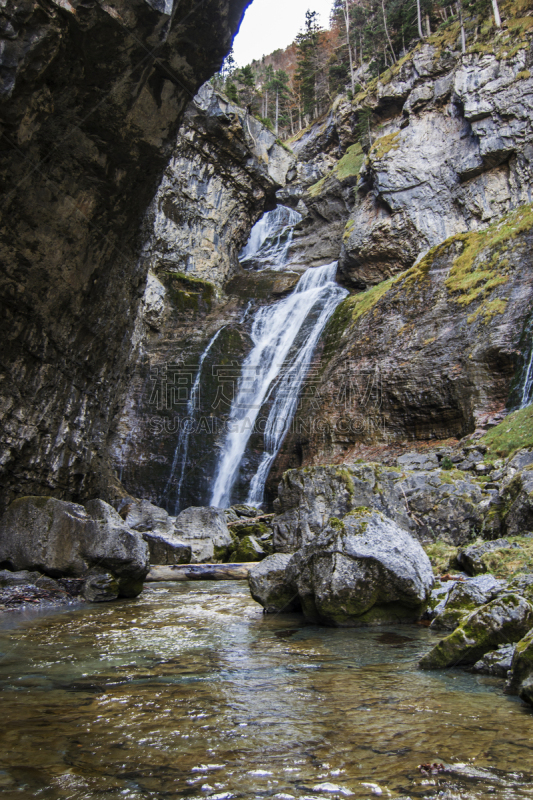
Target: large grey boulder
column 362, row 570
column 157, row 529
column 145, row 516
column 502, row 621
column 270, row 586
column 65, row 539
column 205, row 529
column 166, row 548
column 496, row 662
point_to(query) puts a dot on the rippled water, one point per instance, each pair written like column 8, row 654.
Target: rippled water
column 189, row 691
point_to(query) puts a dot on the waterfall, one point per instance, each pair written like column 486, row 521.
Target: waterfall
column 526, row 398
column 270, row 240
column 182, row 447
column 284, row 337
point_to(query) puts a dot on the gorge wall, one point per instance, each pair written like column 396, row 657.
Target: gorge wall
column 431, row 345
column 223, row 175
column 92, row 95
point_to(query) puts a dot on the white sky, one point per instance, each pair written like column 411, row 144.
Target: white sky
column 272, row 24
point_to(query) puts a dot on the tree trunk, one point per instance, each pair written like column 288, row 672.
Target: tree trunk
column 463, row 35
column 419, row 19
column 277, row 110
column 428, row 26
column 347, row 23
column 387, row 30
column 496, row 10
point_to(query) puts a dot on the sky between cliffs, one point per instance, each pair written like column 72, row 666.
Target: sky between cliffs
column 272, row 24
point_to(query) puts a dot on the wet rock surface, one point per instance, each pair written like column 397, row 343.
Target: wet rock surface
column 363, row 569
column 270, row 585
column 496, row 662
column 63, row 539
column 504, row 620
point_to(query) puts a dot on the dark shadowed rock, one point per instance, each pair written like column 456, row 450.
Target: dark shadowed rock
column 521, row 676
column 270, row 586
column 364, row 569
column 65, row 539
column 496, row 662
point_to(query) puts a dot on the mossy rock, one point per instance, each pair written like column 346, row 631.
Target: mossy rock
column 256, row 529
column 502, row 621
column 249, row 549
column 522, row 664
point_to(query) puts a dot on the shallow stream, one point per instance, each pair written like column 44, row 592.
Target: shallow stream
column 189, row 691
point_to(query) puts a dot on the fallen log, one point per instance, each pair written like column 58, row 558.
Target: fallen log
column 200, row 572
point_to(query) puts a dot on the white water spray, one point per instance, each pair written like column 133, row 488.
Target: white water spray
column 284, row 336
column 270, row 240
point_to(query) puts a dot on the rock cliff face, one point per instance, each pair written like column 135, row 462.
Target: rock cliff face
column 447, row 146
column 428, row 355
column 92, row 96
column 223, row 175
column 429, row 173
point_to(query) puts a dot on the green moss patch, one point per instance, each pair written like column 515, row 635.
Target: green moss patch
column 350, row 164
column 481, row 266
column 384, row 145
column 440, row 555
column 187, row 293
column 514, row 433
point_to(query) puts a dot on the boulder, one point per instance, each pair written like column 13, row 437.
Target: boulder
column 165, row 548
column 205, row 529
column 248, row 549
column 270, row 587
column 521, row 677
column 362, row 570
column 430, row 504
column 143, row 516
column 518, row 496
column 496, row 662
column 65, row 539
column 463, row 597
column 502, row 621
column 243, row 510
column 472, row 559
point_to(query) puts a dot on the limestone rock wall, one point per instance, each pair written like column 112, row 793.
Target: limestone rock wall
column 224, row 173
column 92, row 96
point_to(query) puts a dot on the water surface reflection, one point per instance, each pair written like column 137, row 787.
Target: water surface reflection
column 189, row 691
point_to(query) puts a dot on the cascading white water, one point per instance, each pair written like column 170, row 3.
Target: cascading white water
column 526, row 398
column 275, row 369
column 270, row 240
column 182, row 447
